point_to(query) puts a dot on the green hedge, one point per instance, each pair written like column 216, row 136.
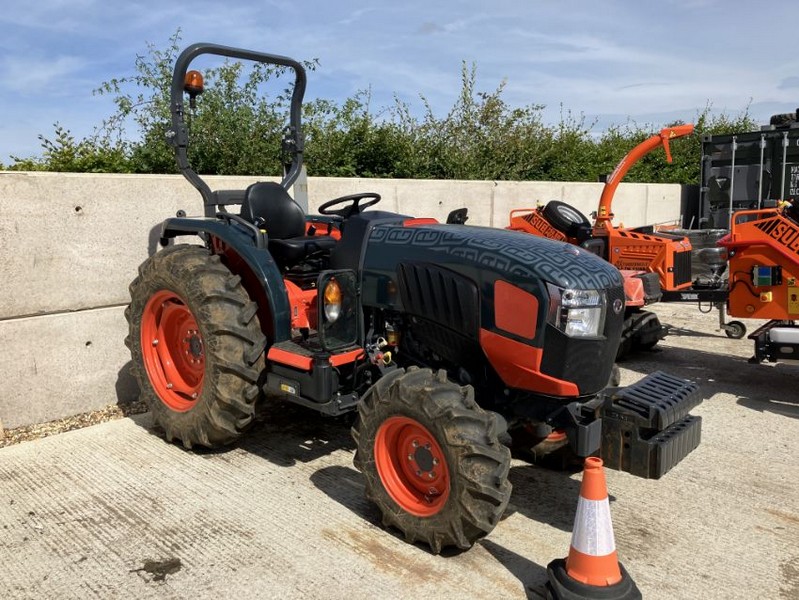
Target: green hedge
column 236, row 130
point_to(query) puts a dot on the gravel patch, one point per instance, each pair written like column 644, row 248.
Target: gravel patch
column 9, row 437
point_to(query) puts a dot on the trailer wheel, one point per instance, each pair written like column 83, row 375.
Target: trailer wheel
column 735, row 330
column 196, row 345
column 432, row 459
column 565, row 218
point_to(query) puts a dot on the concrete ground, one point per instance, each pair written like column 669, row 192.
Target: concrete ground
column 113, row 511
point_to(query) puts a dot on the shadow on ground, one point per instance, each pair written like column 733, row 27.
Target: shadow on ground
column 282, row 433
column 126, row 387
column 532, row 575
column 544, row 495
column 685, row 332
column 345, row 485
column 539, row 494
column 286, row 434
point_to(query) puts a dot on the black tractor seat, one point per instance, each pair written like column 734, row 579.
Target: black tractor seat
column 269, row 206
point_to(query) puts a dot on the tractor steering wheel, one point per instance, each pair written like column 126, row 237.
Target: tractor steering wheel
column 353, row 209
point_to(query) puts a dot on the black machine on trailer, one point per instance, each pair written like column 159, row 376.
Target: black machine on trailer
column 444, row 338
column 749, row 170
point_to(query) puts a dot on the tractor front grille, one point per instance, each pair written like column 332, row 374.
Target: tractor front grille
column 440, row 296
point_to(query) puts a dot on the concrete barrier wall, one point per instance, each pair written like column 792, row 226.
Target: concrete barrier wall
column 70, row 245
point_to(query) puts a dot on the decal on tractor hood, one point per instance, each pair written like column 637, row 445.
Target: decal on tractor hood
column 522, row 255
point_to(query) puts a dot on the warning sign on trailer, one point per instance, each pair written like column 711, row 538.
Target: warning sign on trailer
column 792, row 179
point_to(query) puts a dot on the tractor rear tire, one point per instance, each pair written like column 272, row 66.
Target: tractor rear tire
column 432, row 458
column 196, row 346
column 565, row 218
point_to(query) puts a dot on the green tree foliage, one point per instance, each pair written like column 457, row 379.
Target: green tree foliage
column 237, row 127
column 63, row 153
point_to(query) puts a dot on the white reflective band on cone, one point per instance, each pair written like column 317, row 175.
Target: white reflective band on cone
column 593, row 530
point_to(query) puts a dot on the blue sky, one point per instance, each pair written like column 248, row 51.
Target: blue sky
column 609, row 59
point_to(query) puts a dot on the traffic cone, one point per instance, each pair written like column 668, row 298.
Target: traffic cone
column 592, row 569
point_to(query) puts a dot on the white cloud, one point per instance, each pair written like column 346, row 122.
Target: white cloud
column 609, row 58
column 26, row 75
column 356, row 16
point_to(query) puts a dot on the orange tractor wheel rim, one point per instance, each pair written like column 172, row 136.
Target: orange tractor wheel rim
column 412, row 466
column 173, row 350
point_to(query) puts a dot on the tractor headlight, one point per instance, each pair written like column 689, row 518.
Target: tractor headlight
column 332, row 300
column 577, row 313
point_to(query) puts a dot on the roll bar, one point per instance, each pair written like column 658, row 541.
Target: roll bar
column 178, row 135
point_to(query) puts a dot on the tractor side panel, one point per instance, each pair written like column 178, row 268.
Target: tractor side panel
column 422, row 270
column 440, row 295
column 445, row 310
column 446, row 274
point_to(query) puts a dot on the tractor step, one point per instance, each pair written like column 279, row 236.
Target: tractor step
column 646, row 428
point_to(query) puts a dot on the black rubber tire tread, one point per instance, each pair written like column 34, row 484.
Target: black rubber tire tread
column 233, row 341
column 469, row 437
column 560, row 221
column 783, row 119
column 631, row 334
column 738, row 331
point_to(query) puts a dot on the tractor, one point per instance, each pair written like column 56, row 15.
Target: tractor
column 444, row 341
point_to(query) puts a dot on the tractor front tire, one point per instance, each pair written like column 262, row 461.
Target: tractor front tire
column 196, row 346
column 432, row 459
